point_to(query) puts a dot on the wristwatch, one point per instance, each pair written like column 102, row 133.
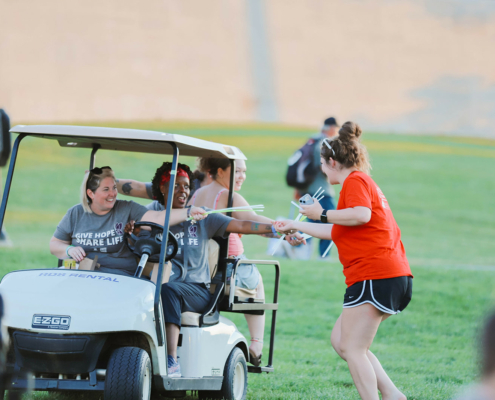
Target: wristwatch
column 323, row 217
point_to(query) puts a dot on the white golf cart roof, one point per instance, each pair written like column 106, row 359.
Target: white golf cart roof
column 133, row 140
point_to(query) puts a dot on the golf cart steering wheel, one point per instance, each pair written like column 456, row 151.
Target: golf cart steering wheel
column 151, row 244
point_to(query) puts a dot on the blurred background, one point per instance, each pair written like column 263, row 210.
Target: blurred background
column 417, row 66
column 262, row 76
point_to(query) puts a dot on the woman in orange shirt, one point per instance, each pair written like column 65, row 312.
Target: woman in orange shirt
column 378, row 277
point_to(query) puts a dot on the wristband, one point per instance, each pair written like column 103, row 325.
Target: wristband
column 67, row 250
column 188, row 214
column 274, row 231
column 323, row 217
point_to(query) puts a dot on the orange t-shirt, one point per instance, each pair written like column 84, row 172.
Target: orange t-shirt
column 373, row 250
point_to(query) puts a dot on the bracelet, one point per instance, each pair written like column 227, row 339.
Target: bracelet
column 188, row 214
column 274, row 231
column 67, row 250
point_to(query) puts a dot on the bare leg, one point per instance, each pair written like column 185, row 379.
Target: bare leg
column 385, row 385
column 256, row 324
column 172, row 339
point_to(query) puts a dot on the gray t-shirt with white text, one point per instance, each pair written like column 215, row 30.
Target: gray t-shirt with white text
column 102, row 235
column 193, row 243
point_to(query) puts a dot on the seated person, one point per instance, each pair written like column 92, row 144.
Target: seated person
column 193, row 294
column 96, row 225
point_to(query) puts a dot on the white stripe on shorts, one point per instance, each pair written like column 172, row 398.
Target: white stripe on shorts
column 361, row 295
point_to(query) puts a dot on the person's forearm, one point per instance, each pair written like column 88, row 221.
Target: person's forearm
column 133, row 188
column 249, row 227
column 177, row 215
column 58, row 248
column 251, row 216
column 321, row 231
column 349, row 216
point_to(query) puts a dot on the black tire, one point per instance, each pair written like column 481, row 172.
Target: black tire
column 13, row 395
column 129, row 375
column 235, row 379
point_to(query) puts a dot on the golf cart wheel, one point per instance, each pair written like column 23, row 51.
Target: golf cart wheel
column 128, row 375
column 234, row 386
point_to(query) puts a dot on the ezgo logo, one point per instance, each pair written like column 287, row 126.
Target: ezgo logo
column 61, row 322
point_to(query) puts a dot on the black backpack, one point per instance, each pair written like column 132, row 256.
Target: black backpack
column 302, row 168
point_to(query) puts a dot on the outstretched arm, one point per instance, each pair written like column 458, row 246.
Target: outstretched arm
column 248, row 227
column 256, row 228
column 321, row 231
column 348, row 216
column 133, row 188
column 177, row 215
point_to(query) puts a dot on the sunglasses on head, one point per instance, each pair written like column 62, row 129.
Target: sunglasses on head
column 326, row 141
column 98, row 170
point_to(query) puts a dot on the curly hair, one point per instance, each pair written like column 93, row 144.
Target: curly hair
column 347, row 148
column 156, row 181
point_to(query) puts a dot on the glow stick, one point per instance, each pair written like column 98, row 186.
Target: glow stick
column 318, row 192
column 297, row 205
column 224, row 210
column 327, row 250
column 227, row 210
column 321, row 197
column 259, row 206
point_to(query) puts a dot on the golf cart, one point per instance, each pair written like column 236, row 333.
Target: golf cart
column 86, row 330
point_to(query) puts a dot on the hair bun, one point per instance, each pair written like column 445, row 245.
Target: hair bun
column 350, row 131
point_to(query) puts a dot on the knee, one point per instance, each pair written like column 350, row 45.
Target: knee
column 336, row 345
column 348, row 350
column 169, row 290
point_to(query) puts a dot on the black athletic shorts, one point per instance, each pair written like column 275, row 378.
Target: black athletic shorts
column 390, row 296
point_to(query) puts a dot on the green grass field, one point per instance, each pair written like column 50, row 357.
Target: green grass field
column 441, row 190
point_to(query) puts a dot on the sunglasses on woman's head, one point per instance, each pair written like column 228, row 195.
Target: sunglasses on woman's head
column 326, row 141
column 98, row 170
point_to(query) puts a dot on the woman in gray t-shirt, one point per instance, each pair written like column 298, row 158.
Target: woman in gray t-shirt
column 96, row 226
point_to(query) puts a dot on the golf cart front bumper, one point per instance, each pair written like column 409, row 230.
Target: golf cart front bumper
column 45, row 353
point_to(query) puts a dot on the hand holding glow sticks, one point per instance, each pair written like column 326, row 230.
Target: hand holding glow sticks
column 197, row 214
column 259, row 207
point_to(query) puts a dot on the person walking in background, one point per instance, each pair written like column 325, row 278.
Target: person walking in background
column 305, row 174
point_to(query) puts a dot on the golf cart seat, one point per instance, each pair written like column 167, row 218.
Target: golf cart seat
column 211, row 316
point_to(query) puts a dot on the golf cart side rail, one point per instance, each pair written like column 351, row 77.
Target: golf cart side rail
column 234, row 306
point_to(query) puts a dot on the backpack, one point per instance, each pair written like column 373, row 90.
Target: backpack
column 302, row 170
